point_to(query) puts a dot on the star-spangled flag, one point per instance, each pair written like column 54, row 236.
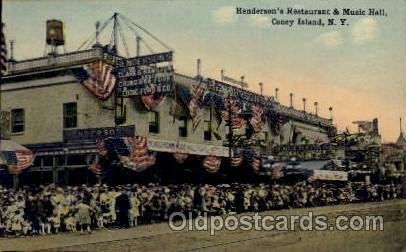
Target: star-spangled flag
column 19, row 159
column 3, row 51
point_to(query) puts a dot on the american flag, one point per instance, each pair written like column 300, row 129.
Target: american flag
column 195, row 104
column 3, row 51
column 97, row 77
column 256, row 118
column 18, row 160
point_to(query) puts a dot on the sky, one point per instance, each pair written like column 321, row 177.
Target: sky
column 358, row 69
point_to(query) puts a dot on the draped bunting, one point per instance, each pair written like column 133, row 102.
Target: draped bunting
column 180, row 157
column 152, row 100
column 256, row 118
column 253, row 159
column 97, row 77
column 211, row 164
column 277, row 170
column 132, row 151
column 236, row 160
column 139, row 158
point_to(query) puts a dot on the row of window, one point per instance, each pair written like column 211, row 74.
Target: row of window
column 153, row 125
column 69, row 117
column 70, row 121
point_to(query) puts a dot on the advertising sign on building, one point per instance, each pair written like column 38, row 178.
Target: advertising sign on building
column 98, row 133
column 188, row 148
column 144, row 75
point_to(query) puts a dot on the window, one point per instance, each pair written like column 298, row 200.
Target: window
column 207, row 130
column 183, row 126
column 17, row 120
column 153, row 120
column 70, row 118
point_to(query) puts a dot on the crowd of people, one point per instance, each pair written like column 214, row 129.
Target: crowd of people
column 52, row 209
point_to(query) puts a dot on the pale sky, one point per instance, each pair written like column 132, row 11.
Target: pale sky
column 357, row 69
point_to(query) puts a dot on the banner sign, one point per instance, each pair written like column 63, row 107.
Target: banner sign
column 188, row 148
column 303, row 147
column 225, row 89
column 98, row 133
column 330, row 175
column 144, row 75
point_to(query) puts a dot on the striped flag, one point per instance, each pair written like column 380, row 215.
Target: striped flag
column 195, row 104
column 3, row 51
column 256, row 118
column 97, row 77
column 18, row 160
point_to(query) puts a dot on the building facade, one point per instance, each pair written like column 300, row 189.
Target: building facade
column 45, row 106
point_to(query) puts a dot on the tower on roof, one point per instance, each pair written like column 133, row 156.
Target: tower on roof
column 401, row 139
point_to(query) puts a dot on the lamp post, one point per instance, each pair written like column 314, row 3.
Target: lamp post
column 331, row 112
column 316, row 107
column 276, row 93
column 291, row 99
column 260, row 87
column 304, row 104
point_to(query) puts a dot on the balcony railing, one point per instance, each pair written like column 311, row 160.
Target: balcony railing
column 59, row 60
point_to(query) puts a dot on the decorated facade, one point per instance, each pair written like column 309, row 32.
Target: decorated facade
column 72, row 109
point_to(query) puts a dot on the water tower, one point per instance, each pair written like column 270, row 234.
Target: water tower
column 54, row 36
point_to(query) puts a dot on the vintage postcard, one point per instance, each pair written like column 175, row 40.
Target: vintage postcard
column 173, row 125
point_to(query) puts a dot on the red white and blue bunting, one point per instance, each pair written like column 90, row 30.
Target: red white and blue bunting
column 211, row 164
column 97, row 77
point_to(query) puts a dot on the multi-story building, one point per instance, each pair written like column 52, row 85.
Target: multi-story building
column 47, row 109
